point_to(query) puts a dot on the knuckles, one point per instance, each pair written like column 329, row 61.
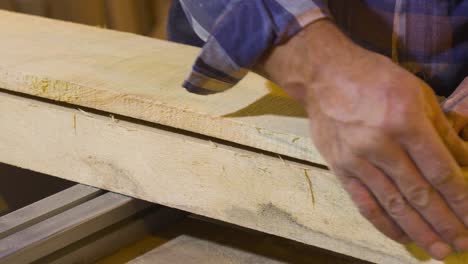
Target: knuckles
column 407, row 108
column 442, row 178
column 368, row 141
column 369, row 210
column 402, row 122
column 419, row 197
column 458, row 199
column 395, row 205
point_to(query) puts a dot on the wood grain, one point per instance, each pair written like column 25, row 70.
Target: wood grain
column 239, row 186
column 141, row 78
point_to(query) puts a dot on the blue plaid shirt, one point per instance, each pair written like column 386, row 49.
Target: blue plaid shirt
column 427, row 37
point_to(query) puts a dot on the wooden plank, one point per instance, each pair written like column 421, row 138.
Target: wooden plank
column 141, row 77
column 130, row 15
column 66, row 228
column 45, row 208
column 265, row 193
column 191, row 250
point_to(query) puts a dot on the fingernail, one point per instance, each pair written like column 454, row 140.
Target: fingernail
column 440, row 250
column 461, row 244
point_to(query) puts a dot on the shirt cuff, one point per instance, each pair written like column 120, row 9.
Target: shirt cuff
column 242, row 34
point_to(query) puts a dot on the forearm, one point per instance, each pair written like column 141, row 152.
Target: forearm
column 320, row 50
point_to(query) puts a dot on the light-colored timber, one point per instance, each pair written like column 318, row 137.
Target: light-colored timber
column 141, row 77
column 265, row 193
column 192, row 250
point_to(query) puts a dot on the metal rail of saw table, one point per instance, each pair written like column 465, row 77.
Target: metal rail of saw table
column 52, row 230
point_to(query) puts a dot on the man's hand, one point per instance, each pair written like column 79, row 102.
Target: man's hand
column 456, row 107
column 383, row 134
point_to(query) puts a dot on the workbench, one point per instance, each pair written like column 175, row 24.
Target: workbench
column 106, row 109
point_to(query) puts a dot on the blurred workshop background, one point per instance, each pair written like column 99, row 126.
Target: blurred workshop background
column 145, row 17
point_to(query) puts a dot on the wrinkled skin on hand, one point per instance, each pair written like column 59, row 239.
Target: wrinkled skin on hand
column 389, row 142
column 383, row 133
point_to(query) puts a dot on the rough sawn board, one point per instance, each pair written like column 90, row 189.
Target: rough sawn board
column 141, row 77
column 265, row 193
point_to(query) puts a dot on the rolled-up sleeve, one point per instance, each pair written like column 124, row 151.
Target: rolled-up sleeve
column 238, row 32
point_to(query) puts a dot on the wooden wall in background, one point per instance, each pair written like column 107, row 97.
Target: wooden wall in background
column 6, row 4
column 160, row 12
column 91, row 12
column 145, row 17
column 130, row 15
column 34, row 7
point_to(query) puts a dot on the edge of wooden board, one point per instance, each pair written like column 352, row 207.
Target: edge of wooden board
column 246, row 188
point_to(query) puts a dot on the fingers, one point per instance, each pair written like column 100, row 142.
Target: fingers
column 445, row 129
column 457, row 121
column 371, row 210
column 420, row 194
column 396, row 206
column 458, row 100
column 456, row 107
column 449, row 133
column 438, row 167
